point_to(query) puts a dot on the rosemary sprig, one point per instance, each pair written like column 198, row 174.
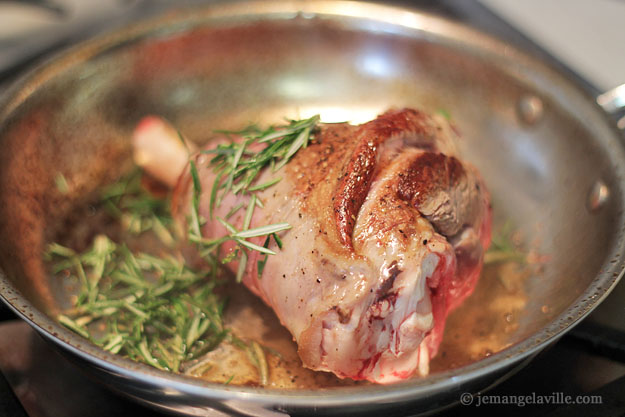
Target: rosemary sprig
column 237, row 165
column 503, row 248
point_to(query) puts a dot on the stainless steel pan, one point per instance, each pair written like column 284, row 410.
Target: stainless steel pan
column 552, row 158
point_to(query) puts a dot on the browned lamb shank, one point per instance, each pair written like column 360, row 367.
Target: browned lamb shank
column 388, row 234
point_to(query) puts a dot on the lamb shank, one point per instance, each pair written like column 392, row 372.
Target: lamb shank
column 388, row 232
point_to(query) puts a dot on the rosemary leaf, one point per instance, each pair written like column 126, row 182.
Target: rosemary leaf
column 242, row 266
column 230, row 228
column 262, row 230
column 116, row 341
column 251, row 205
column 72, row 325
column 277, row 239
column 302, row 140
column 61, row 183
column 258, row 357
column 234, row 210
column 255, row 247
column 265, row 185
column 213, row 197
column 56, row 249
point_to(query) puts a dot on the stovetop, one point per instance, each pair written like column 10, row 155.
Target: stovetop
column 37, row 381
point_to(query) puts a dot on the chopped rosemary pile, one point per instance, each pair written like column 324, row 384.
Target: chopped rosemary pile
column 137, row 209
column 152, row 309
column 237, row 165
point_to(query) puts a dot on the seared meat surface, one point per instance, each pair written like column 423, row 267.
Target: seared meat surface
column 388, row 233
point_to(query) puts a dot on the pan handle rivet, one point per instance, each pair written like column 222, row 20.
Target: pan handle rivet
column 530, row 109
column 598, row 196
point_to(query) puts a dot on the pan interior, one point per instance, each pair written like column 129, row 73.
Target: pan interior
column 225, row 73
